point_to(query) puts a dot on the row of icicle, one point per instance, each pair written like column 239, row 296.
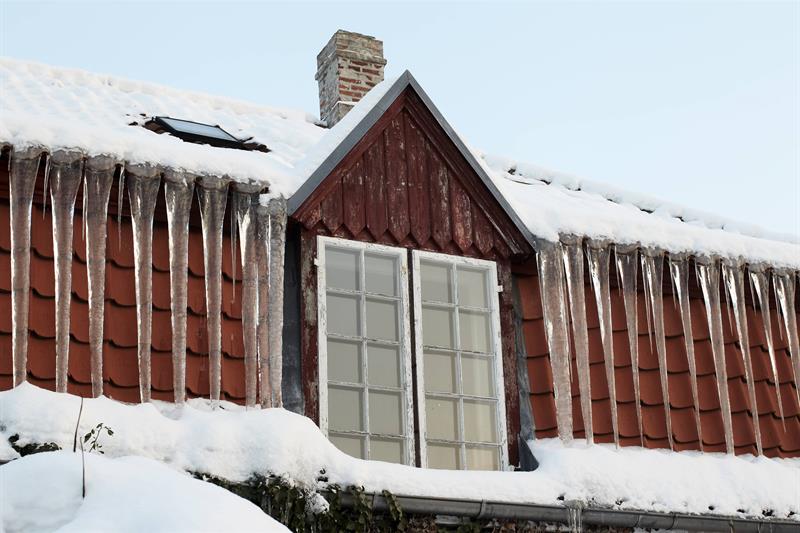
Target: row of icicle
column 561, row 274
column 262, row 229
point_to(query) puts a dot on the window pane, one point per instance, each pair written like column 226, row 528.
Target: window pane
column 345, row 409
column 474, row 331
column 349, row 444
column 341, row 268
column 381, row 274
column 437, row 327
column 384, row 365
column 382, row 319
column 436, row 282
column 477, row 375
column 440, row 416
column 443, row 456
column 386, row 450
column 385, row 413
column 342, row 314
column 482, row 458
column 479, row 421
column 440, row 372
column 344, row 363
column 472, row 290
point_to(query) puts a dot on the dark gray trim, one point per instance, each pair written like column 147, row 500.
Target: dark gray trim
column 566, row 514
column 369, row 120
column 527, row 427
column 292, row 381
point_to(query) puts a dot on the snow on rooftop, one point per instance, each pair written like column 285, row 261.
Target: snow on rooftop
column 235, row 443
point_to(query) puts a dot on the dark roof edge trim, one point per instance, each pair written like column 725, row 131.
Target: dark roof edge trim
column 562, row 514
column 369, row 120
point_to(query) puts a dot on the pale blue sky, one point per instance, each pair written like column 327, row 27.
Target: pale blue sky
column 697, row 103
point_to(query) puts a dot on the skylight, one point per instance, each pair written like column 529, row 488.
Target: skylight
column 197, row 132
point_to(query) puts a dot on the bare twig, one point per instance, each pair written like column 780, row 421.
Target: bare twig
column 78, row 423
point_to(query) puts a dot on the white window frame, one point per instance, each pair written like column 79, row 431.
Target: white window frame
column 404, row 337
column 494, row 301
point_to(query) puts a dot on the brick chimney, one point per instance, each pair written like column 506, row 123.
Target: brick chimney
column 347, row 68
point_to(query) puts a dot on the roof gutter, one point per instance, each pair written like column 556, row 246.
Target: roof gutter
column 568, row 514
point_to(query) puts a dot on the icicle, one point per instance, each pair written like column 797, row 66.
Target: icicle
column 143, row 184
column 24, row 168
column 213, row 197
column 652, row 272
column 233, row 252
column 554, row 306
column 65, row 174
column 178, row 192
column 760, row 285
column 277, row 250
column 262, row 329
column 573, row 267
column 599, row 258
column 120, row 201
column 733, row 274
column 627, row 267
column 785, row 287
column 679, row 270
column 244, row 203
column 708, row 278
column 96, row 193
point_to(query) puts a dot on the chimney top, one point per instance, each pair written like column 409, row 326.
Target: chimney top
column 347, row 68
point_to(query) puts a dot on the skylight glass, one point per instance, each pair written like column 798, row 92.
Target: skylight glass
column 196, row 128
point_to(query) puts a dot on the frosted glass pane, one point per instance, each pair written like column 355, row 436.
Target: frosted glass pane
column 472, row 287
column 440, row 414
column 437, row 327
column 345, row 409
column 443, row 456
column 474, row 331
column 383, row 365
column 344, row 363
column 343, row 315
column 387, row 450
column 349, row 444
column 381, row 274
column 479, row 421
column 382, row 319
column 436, row 282
column 341, row 268
column 385, row 413
column 482, row 458
column 477, row 376
column 440, row 372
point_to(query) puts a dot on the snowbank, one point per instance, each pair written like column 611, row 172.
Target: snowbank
column 42, row 492
column 234, row 443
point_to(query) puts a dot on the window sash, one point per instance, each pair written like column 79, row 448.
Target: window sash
column 402, row 344
column 453, row 262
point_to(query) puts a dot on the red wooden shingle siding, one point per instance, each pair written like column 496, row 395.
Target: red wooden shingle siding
column 120, row 366
column 775, row 441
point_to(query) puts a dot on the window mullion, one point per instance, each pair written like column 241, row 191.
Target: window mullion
column 362, row 284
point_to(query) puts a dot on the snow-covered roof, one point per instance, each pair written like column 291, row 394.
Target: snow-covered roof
column 65, row 108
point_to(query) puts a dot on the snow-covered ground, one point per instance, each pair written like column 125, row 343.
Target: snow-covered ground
column 235, row 443
column 42, row 492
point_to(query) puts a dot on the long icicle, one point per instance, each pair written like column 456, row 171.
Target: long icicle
column 277, row 250
column 262, row 328
column 96, row 192
column 627, row 268
column 24, row 168
column 653, row 273
column 759, row 283
column 65, row 174
column 554, row 307
column 143, row 185
column 679, row 271
column 785, row 287
column 733, row 273
column 599, row 266
column 213, row 197
column 244, row 205
column 573, row 268
column 178, row 193
column 708, row 277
